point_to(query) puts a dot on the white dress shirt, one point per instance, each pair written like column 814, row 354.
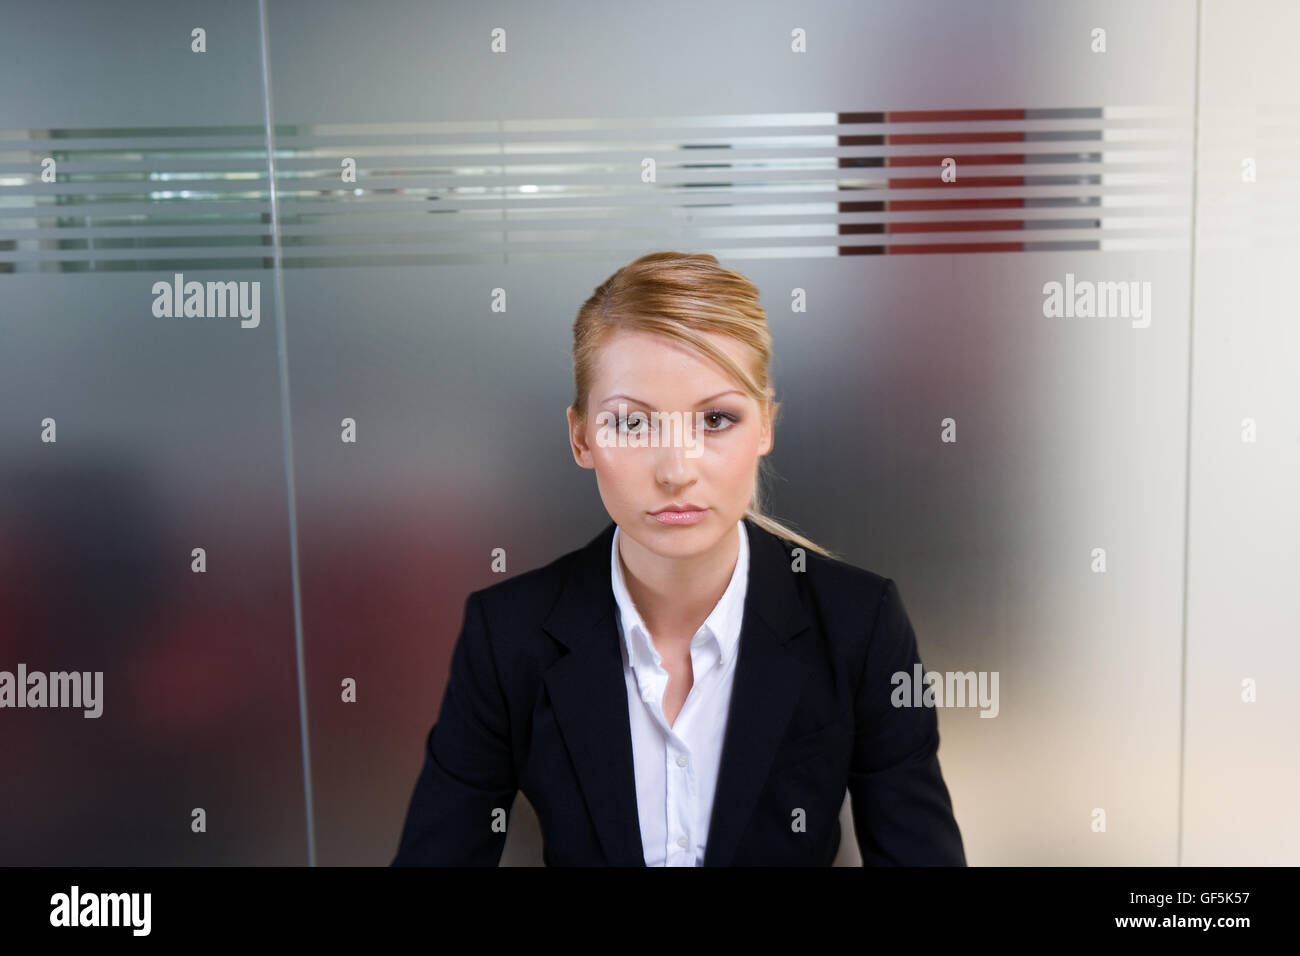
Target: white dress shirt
column 677, row 766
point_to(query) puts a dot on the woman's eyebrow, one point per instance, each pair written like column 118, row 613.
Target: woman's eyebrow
column 703, row 401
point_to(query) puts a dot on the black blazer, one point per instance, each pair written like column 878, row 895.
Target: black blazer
column 536, row 701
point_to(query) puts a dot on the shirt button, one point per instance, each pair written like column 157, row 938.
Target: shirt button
column 681, row 841
column 648, row 697
column 681, row 760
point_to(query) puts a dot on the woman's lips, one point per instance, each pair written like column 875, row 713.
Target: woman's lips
column 680, row 517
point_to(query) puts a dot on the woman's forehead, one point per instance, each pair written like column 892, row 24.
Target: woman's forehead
column 654, row 355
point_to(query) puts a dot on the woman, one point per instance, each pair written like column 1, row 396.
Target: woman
column 698, row 685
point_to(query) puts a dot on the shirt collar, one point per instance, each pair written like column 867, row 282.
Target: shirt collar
column 723, row 622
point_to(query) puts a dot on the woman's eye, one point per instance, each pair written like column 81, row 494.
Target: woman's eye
column 725, row 420
column 630, row 422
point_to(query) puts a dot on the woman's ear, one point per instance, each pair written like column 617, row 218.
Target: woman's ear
column 578, row 439
column 768, row 435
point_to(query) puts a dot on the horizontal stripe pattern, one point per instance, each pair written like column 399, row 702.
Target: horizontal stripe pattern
column 781, row 185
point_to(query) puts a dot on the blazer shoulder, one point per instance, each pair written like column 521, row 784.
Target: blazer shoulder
column 529, row 592
column 841, row 592
column 831, row 575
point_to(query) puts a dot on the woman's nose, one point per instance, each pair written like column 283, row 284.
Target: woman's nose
column 674, row 461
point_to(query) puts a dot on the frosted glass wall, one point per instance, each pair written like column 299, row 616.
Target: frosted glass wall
column 261, row 526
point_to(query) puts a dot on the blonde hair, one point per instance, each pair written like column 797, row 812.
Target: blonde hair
column 684, row 297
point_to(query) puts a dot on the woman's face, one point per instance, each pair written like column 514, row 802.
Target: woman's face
column 707, row 453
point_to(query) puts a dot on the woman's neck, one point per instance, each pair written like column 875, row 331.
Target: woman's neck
column 674, row 596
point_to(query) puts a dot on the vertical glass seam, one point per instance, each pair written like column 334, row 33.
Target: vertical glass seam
column 286, row 428
column 1187, row 468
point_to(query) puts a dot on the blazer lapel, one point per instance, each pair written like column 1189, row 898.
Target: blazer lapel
column 589, row 696
column 764, row 692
